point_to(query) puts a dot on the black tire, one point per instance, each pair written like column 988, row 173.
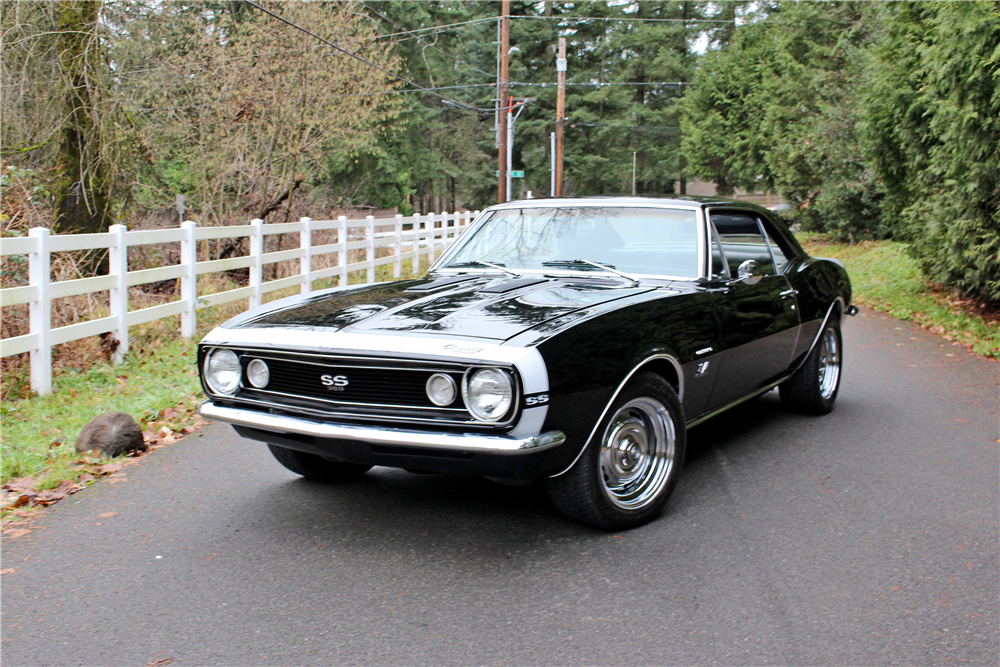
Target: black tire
column 812, row 390
column 629, row 469
column 316, row 467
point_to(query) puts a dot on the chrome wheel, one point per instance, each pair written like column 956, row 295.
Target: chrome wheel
column 829, row 364
column 637, row 453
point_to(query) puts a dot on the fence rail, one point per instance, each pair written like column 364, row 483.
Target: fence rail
column 409, row 237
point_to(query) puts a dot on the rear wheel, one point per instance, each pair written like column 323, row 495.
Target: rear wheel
column 316, row 467
column 812, row 390
column 630, row 468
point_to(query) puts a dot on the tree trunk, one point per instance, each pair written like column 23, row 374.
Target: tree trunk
column 82, row 181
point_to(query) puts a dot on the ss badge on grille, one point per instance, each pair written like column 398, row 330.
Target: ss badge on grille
column 334, row 382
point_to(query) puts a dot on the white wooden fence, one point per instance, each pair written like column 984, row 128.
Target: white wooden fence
column 427, row 234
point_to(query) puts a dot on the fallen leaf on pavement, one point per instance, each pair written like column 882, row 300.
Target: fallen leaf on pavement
column 107, row 515
column 162, row 662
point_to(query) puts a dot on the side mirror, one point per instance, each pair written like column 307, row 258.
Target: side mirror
column 746, row 272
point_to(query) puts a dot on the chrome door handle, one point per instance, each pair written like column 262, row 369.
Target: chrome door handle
column 788, row 292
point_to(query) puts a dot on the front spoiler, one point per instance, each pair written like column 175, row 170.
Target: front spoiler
column 379, row 435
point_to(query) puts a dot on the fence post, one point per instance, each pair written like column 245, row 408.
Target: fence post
column 416, row 245
column 342, row 253
column 397, row 266
column 189, row 281
column 257, row 267
column 432, row 225
column 40, row 311
column 305, row 243
column 370, row 250
column 118, row 301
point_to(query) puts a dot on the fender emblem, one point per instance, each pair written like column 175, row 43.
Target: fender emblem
column 459, row 348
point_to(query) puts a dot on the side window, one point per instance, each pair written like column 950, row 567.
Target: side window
column 742, row 241
column 781, row 256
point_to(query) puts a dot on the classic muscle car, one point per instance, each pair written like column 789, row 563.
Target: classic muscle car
column 568, row 341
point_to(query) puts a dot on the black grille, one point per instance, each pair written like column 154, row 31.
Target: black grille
column 344, row 383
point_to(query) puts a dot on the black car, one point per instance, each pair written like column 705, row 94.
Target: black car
column 571, row 341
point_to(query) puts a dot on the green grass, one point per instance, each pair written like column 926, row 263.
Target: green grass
column 39, row 433
column 886, row 279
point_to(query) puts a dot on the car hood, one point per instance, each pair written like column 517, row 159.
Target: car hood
column 477, row 306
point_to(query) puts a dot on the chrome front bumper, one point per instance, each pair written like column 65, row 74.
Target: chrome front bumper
column 377, row 435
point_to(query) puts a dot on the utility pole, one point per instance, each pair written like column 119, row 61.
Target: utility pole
column 560, row 114
column 504, row 99
column 552, row 153
column 633, row 173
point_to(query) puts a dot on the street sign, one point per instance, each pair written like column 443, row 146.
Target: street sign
column 514, row 173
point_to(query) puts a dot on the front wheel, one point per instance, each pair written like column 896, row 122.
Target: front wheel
column 631, row 466
column 812, row 390
column 316, row 467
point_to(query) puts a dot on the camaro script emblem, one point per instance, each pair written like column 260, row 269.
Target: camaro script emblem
column 459, row 348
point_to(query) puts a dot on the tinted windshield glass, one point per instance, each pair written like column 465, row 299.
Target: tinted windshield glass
column 638, row 241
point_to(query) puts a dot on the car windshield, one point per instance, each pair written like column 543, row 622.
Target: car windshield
column 633, row 240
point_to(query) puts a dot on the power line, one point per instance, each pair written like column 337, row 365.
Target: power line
column 616, row 18
column 421, row 39
column 447, row 100
column 432, row 28
column 628, row 127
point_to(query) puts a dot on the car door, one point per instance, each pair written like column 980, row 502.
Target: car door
column 756, row 308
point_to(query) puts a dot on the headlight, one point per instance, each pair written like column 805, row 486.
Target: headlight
column 488, row 394
column 441, row 389
column 222, row 371
column 258, row 373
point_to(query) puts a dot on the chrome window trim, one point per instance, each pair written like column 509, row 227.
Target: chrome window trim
column 680, row 397
column 704, row 256
column 763, row 222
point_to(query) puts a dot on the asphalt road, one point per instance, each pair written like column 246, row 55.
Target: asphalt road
column 868, row 536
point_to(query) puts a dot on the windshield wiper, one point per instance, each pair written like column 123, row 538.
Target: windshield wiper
column 479, row 262
column 583, row 262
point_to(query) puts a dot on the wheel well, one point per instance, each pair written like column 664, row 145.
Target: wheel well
column 666, row 370
column 837, row 314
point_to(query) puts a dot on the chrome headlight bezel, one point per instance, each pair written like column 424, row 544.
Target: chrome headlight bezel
column 212, row 373
column 504, row 381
